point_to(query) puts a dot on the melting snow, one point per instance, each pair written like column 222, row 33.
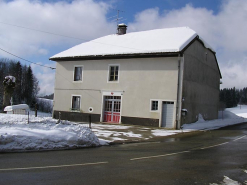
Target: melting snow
column 227, row 181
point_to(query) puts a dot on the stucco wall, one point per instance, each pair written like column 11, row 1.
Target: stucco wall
column 140, row 80
column 201, row 82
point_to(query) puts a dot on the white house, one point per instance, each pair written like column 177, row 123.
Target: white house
column 162, row 78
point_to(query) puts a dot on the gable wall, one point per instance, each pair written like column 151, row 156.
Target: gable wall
column 140, row 80
column 200, row 83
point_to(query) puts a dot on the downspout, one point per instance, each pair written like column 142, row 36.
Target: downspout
column 53, row 104
column 179, row 90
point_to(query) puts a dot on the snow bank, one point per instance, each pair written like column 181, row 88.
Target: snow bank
column 229, row 118
column 42, row 134
column 240, row 110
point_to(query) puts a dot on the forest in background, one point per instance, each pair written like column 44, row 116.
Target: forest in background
column 27, row 85
column 231, row 97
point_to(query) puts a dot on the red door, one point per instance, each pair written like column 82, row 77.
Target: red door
column 112, row 109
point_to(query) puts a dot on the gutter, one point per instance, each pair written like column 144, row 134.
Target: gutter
column 117, row 56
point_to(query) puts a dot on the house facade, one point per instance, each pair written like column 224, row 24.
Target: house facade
column 161, row 78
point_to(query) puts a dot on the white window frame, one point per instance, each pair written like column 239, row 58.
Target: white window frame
column 72, row 103
column 80, row 81
column 108, row 74
column 151, row 103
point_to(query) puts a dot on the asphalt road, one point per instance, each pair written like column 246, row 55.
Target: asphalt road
column 202, row 158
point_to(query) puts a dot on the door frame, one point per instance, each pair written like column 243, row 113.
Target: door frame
column 110, row 93
column 110, row 115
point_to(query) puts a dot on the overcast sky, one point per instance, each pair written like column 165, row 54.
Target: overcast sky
column 222, row 23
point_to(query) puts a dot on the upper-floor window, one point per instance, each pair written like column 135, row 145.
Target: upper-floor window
column 76, row 103
column 78, row 73
column 113, row 73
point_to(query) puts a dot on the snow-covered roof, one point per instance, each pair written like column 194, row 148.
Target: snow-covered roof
column 144, row 42
column 14, row 107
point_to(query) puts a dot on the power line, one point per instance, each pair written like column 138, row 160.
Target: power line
column 72, row 37
column 27, row 60
column 41, row 31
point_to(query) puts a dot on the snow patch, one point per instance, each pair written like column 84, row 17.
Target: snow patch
column 227, row 181
column 159, row 132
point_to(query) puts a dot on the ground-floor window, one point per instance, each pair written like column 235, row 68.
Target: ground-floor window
column 154, row 105
column 76, row 103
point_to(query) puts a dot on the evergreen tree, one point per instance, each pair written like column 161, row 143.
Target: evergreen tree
column 244, row 95
column 232, row 97
column 23, row 82
column 26, row 88
column 18, row 74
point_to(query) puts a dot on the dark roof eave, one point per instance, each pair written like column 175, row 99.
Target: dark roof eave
column 119, row 56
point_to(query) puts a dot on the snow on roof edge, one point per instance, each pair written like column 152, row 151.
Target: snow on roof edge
column 120, row 54
column 206, row 44
column 170, row 50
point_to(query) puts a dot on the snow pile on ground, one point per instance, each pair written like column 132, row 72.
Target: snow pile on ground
column 42, row 134
column 230, row 117
column 240, row 110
